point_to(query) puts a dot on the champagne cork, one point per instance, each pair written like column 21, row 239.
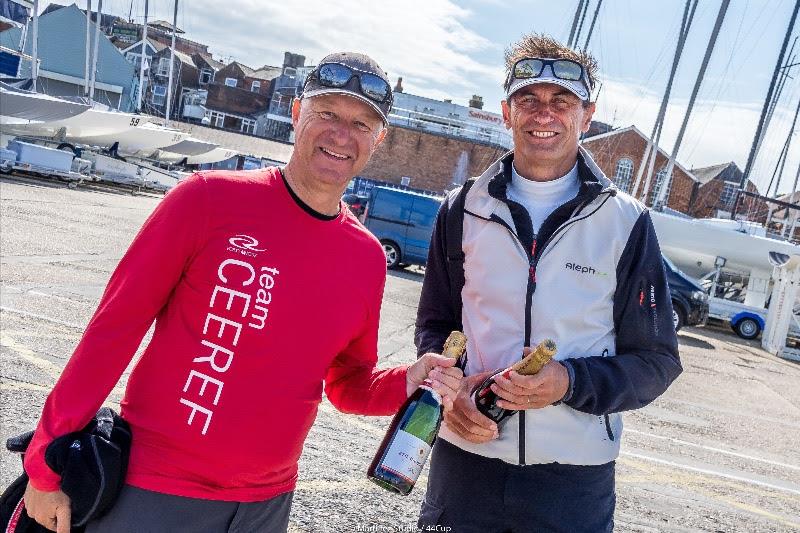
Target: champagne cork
column 455, row 345
column 534, row 361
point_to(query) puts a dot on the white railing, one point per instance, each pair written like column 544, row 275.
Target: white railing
column 450, row 126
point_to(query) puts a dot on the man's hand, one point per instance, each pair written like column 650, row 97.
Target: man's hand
column 50, row 509
column 444, row 377
column 464, row 419
column 520, row 392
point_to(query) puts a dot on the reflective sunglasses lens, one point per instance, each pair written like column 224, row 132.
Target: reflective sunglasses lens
column 374, row 87
column 567, row 70
column 334, row 75
column 528, row 68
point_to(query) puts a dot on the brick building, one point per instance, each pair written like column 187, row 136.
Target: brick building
column 619, row 153
column 239, row 95
column 716, row 194
column 185, row 77
column 783, row 219
column 423, row 160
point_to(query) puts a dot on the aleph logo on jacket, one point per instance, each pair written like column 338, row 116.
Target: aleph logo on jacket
column 584, row 269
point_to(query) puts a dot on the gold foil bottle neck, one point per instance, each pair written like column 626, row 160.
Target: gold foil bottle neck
column 535, row 361
column 455, row 345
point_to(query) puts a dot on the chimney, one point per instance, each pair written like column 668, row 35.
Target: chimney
column 293, row 60
column 476, row 101
column 399, row 87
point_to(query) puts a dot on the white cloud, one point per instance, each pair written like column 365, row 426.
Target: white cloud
column 425, row 41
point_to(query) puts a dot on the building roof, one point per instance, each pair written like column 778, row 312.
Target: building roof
column 636, row 130
column 267, row 73
column 213, row 63
column 164, row 26
column 157, row 46
column 264, row 73
column 706, row 174
column 106, row 20
column 791, row 197
column 184, row 58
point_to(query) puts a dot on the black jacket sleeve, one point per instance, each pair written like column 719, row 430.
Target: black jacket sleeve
column 436, row 317
column 646, row 360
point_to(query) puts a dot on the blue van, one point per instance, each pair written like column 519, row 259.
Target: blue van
column 403, row 222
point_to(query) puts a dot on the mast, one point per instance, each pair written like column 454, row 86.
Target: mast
column 661, row 200
column 759, row 130
column 96, row 53
column 88, row 50
column 791, row 200
column 35, row 45
column 575, row 22
column 651, row 151
column 784, row 153
column 591, row 26
column 580, row 24
column 171, row 64
column 143, row 59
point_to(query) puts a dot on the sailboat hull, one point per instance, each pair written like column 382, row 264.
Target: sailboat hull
column 141, row 140
column 694, row 245
column 89, row 123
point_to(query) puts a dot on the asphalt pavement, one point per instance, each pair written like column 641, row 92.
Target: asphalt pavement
column 720, row 451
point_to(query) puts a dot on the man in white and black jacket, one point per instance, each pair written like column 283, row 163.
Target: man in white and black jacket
column 551, row 249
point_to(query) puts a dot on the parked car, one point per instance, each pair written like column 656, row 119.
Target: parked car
column 689, row 299
column 356, row 202
column 403, row 222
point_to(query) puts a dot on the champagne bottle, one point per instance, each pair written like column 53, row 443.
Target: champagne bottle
column 407, row 444
column 486, row 399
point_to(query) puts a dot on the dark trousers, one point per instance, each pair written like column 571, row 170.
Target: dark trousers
column 474, row 494
column 143, row 511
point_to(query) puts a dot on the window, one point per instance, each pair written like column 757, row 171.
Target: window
column 623, row 174
column 206, row 76
column 289, row 71
column 256, row 85
column 231, row 82
column 248, row 126
column 728, row 195
column 163, row 66
column 216, row 119
column 159, row 95
column 657, row 187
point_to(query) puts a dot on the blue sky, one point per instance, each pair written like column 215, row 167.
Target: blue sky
column 453, row 49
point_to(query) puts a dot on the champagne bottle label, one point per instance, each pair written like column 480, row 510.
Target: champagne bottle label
column 406, row 456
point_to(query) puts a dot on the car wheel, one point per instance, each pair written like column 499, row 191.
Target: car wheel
column 747, row 328
column 392, row 253
column 678, row 316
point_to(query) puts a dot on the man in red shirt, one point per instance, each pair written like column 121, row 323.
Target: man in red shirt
column 249, row 324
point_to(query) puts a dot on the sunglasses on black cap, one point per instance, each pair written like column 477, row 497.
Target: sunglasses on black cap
column 338, row 75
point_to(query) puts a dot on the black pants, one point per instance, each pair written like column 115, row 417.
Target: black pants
column 474, row 494
column 143, row 511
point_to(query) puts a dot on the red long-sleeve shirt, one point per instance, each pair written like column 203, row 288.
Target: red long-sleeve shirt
column 256, row 303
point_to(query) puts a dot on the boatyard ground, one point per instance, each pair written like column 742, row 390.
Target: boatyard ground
column 720, row 451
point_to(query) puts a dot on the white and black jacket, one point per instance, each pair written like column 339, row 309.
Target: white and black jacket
column 592, row 280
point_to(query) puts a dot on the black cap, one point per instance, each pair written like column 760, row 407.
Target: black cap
column 361, row 62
